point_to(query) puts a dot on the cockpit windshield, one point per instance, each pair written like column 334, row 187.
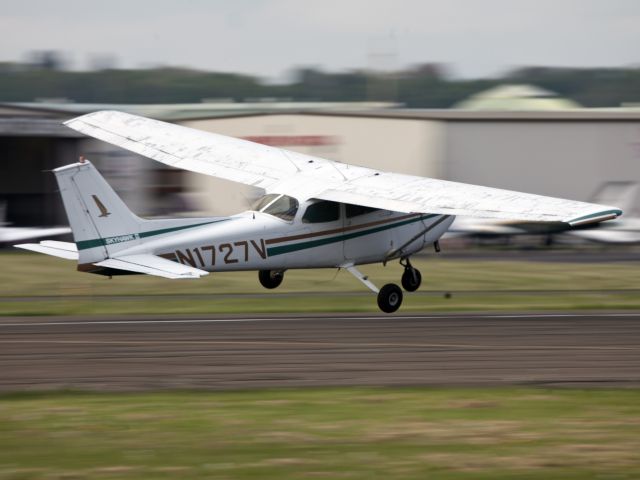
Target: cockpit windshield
column 281, row 206
column 264, row 201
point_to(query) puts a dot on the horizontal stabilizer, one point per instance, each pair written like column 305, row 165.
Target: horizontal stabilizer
column 65, row 250
column 152, row 265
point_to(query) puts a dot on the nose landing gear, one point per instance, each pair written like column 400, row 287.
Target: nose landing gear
column 270, row 278
column 411, row 278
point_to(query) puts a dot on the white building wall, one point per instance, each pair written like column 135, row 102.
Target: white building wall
column 406, row 146
column 569, row 158
column 129, row 174
column 559, row 158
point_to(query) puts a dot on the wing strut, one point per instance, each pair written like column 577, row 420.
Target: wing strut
column 360, row 276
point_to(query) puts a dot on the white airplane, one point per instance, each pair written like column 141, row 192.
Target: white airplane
column 315, row 212
column 10, row 234
column 620, row 193
column 625, row 231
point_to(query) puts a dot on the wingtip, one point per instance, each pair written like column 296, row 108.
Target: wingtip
column 595, row 217
column 72, row 121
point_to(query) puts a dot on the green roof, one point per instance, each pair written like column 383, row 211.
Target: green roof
column 516, row 97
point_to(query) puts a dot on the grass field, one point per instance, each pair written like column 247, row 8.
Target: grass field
column 353, row 433
column 54, row 287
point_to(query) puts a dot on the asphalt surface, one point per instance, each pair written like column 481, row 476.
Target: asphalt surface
column 596, row 349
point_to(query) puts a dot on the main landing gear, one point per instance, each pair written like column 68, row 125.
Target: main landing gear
column 270, row 278
column 389, row 298
column 390, row 295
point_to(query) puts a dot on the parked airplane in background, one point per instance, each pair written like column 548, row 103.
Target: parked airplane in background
column 622, row 194
column 10, row 234
column 624, row 231
column 315, row 212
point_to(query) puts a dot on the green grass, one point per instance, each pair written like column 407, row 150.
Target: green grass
column 359, row 433
column 510, row 284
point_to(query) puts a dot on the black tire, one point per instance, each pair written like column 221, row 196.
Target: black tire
column 270, row 278
column 409, row 282
column 390, row 298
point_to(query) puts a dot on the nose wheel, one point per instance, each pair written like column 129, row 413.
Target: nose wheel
column 270, row 278
column 411, row 277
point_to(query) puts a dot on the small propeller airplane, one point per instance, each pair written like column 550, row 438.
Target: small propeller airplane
column 315, row 213
column 9, row 234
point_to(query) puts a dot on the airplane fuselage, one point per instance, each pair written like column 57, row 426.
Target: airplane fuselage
column 259, row 241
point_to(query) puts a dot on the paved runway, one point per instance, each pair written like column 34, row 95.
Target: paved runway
column 598, row 349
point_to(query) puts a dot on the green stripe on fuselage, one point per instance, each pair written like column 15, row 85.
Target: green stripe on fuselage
column 98, row 242
column 274, row 251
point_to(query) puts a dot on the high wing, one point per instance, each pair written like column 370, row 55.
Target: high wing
column 281, row 171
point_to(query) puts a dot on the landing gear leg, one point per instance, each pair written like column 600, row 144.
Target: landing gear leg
column 389, row 296
column 270, row 278
column 411, row 278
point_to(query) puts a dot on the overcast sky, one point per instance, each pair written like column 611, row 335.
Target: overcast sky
column 270, row 37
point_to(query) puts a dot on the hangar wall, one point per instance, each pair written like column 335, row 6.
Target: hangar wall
column 402, row 145
column 566, row 155
column 570, row 159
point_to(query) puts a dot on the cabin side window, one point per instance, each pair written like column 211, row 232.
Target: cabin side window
column 321, row 212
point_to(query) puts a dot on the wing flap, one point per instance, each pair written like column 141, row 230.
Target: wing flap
column 66, row 250
column 152, row 265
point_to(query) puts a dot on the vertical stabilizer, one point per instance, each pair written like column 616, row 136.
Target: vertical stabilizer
column 101, row 222
column 623, row 194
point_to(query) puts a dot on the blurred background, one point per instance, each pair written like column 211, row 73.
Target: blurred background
column 541, row 97
column 538, row 96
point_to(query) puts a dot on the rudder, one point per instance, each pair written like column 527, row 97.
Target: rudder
column 100, row 221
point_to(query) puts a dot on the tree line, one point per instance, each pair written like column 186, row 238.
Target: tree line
column 425, row 86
